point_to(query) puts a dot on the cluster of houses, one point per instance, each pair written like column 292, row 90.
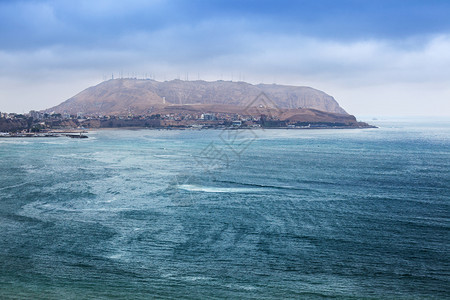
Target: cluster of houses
column 36, row 121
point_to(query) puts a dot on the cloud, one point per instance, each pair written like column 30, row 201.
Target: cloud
column 342, row 49
column 34, row 24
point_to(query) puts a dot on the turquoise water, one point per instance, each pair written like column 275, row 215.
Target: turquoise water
column 228, row 214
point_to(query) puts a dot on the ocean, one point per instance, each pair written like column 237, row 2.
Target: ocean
column 213, row 214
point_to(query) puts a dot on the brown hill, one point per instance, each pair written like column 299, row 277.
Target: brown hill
column 124, row 96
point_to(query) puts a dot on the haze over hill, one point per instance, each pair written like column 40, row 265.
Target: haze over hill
column 138, row 96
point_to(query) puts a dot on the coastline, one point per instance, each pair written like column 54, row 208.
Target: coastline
column 73, row 133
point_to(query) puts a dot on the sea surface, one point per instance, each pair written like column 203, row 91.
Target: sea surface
column 212, row 214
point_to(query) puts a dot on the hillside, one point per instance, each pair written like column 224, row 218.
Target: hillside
column 125, row 96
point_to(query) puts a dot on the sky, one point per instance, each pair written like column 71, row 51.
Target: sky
column 375, row 57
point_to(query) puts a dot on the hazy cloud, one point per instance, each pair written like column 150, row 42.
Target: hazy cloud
column 350, row 49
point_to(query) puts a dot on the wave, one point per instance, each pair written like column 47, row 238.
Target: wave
column 14, row 141
column 238, row 187
column 213, row 189
column 15, row 185
column 264, row 186
column 166, row 155
column 241, row 287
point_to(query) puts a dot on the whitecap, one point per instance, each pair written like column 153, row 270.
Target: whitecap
column 14, row 186
column 241, row 287
column 196, row 278
column 212, row 189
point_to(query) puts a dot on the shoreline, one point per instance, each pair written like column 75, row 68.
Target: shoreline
column 73, row 133
column 232, row 128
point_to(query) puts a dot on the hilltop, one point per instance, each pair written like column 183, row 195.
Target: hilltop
column 140, row 97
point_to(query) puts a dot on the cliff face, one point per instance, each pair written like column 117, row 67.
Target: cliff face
column 123, row 96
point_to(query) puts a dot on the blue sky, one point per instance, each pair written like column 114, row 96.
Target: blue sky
column 375, row 57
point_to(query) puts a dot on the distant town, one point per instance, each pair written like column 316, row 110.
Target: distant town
column 37, row 123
